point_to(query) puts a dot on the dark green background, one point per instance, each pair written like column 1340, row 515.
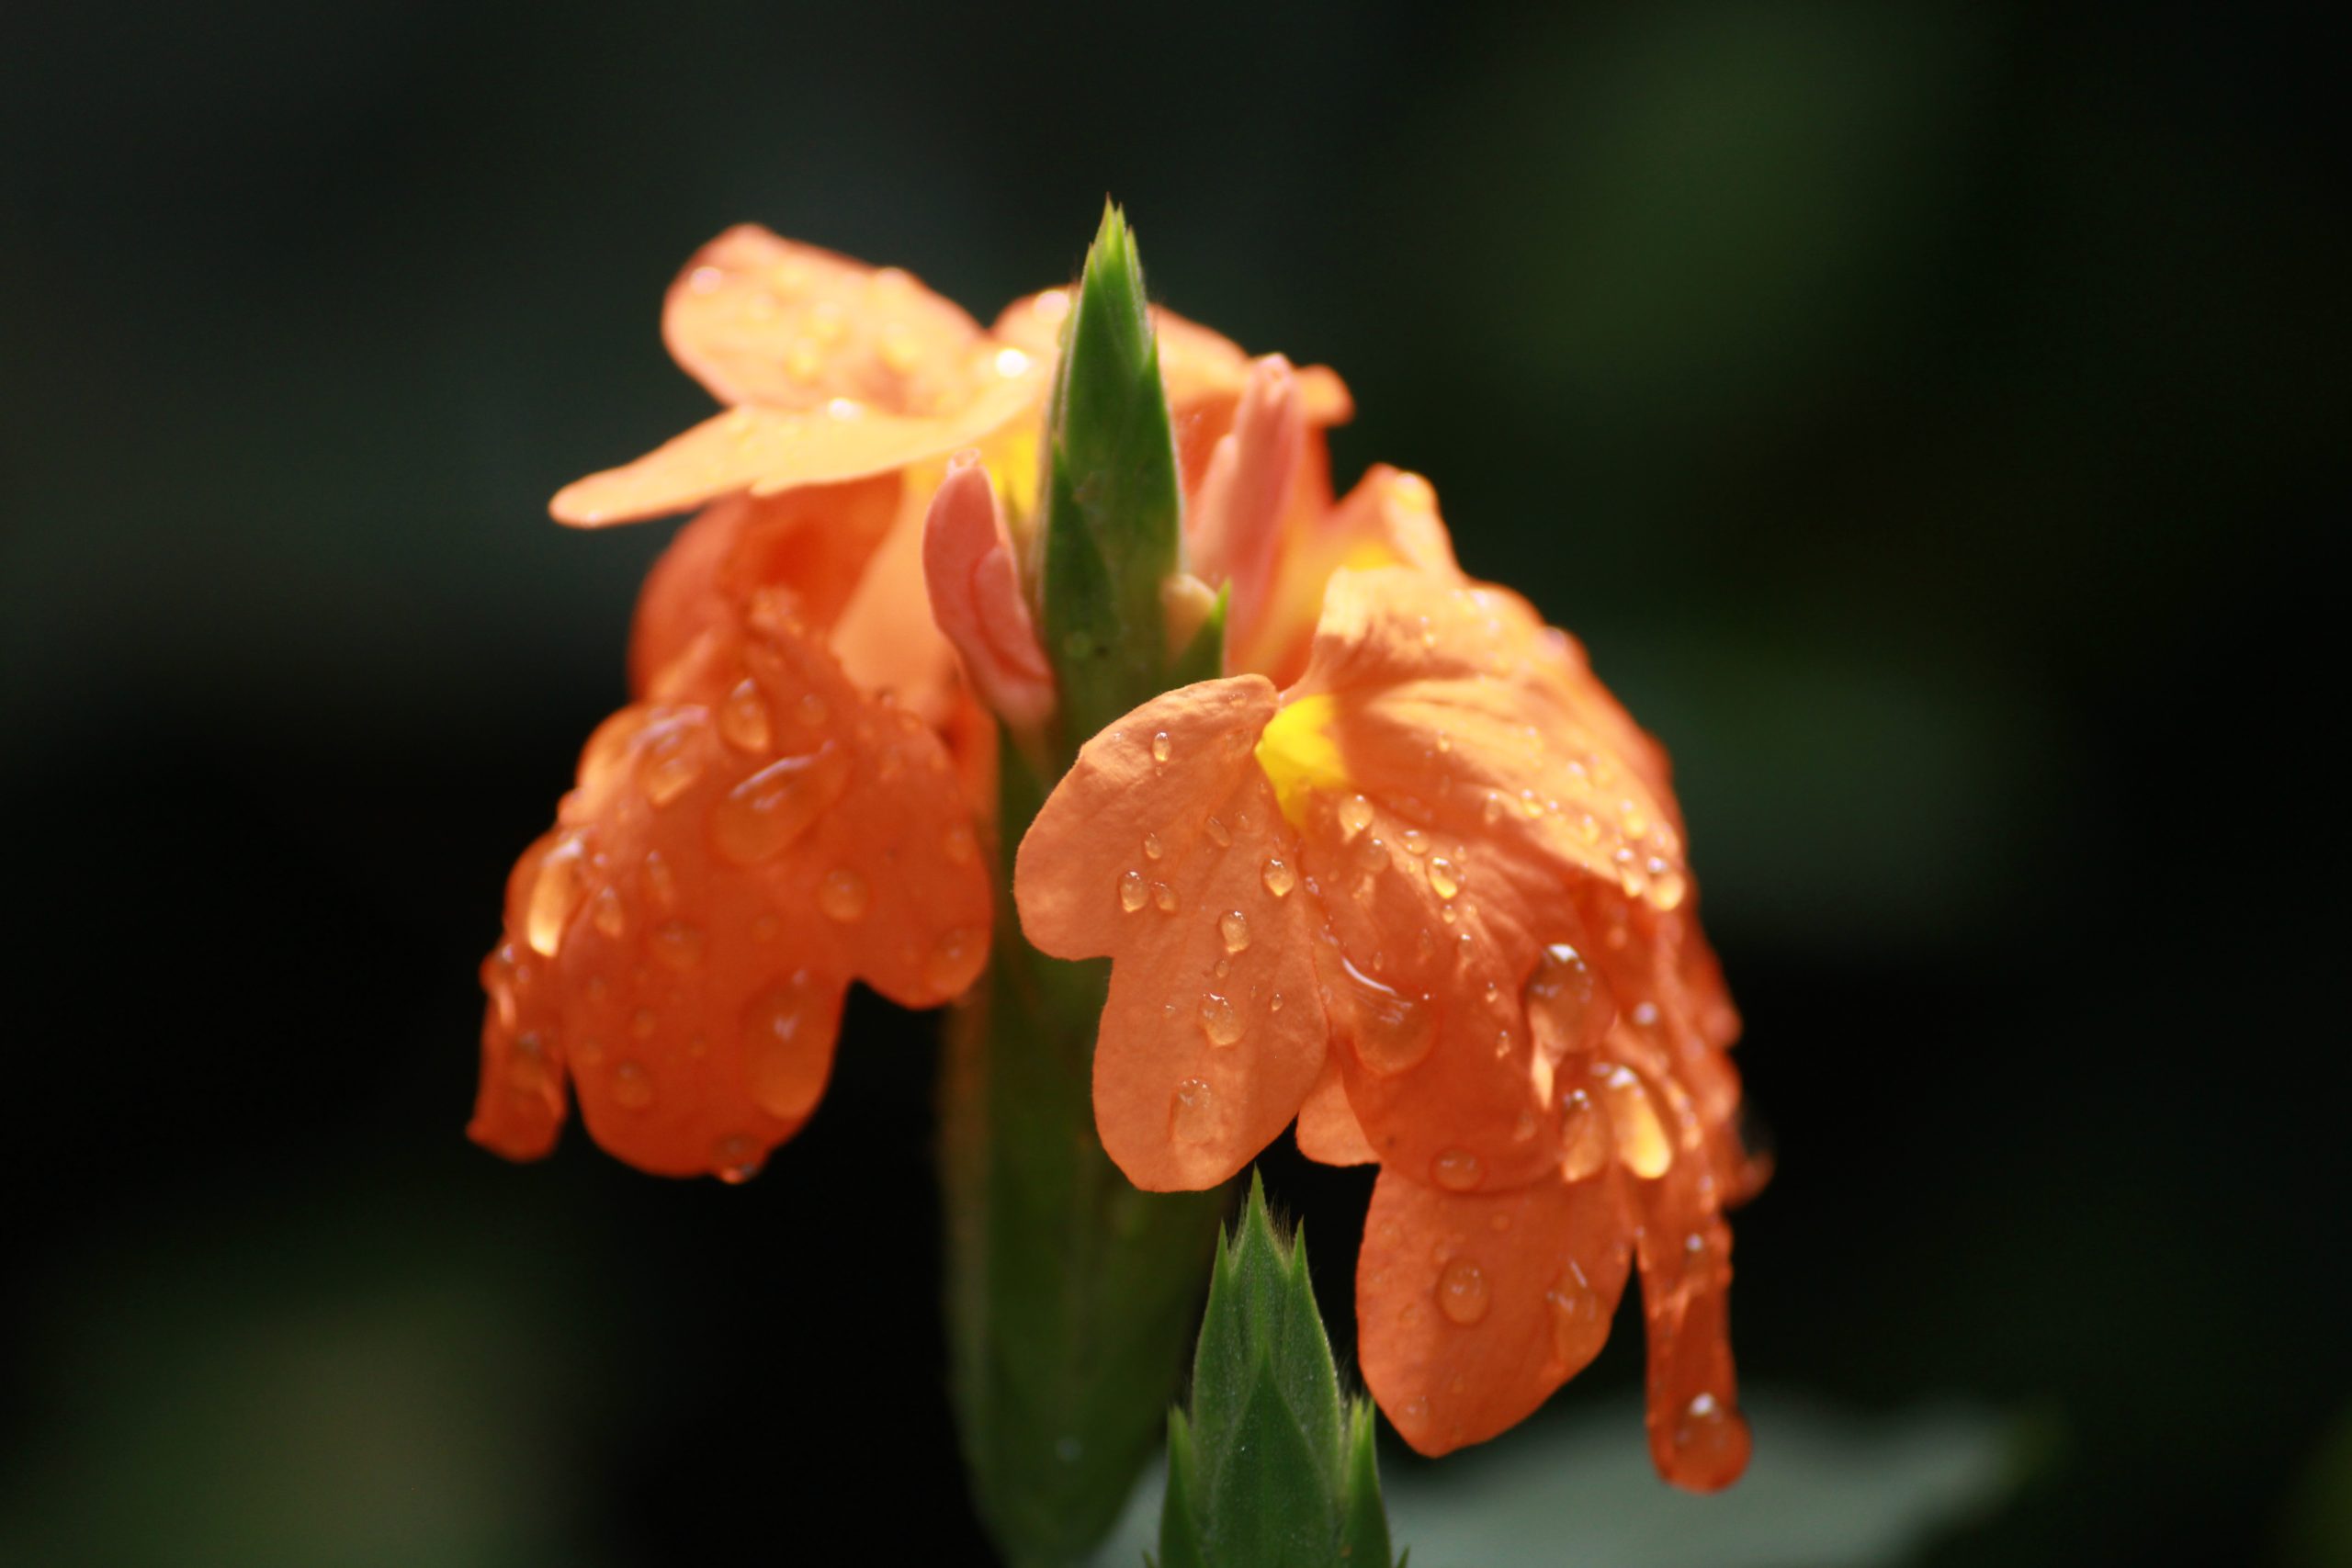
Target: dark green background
column 1931, row 416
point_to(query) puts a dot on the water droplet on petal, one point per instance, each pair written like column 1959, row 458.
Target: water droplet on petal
column 1160, row 747
column 1234, row 926
column 1134, row 891
column 1585, row 1144
column 1462, row 1291
column 843, row 895
column 670, row 765
column 1164, row 897
column 735, row 1159
column 632, row 1085
column 766, row 813
column 1457, row 1170
column 1191, row 1112
column 1219, row 834
column 743, row 717
column 1642, row 1145
column 1560, row 1014
column 1445, row 877
column 1413, row 841
column 1391, row 1030
column 1355, row 815
column 1578, row 1327
column 1279, row 877
column 678, row 945
column 955, row 960
column 787, row 1036
column 1151, row 846
column 1710, row 1444
column 609, row 913
column 556, row 892
column 1219, row 1021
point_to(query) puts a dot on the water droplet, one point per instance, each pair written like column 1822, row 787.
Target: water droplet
column 632, row 1085
column 678, row 945
column 843, row 895
column 1462, row 1292
column 735, row 1159
column 1219, row 834
column 959, row 844
column 1160, row 747
column 1644, row 1015
column 1279, row 877
column 1642, row 1145
column 954, row 962
column 1152, row 848
column 766, row 814
column 1415, row 1410
column 1413, row 841
column 1668, row 887
column 661, row 881
column 1584, row 1137
column 1191, row 1112
column 1219, row 1021
column 1392, row 1031
column 1445, row 877
column 1457, row 1170
column 1275, row 1005
column 670, row 764
column 1134, row 891
column 1578, row 1326
column 1164, row 897
column 1234, row 926
column 787, row 1036
column 1355, row 815
column 1502, row 1044
column 556, row 892
column 1709, row 1443
column 743, row 717
column 1560, row 1014
column 609, row 913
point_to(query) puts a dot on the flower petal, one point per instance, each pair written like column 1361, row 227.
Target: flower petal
column 766, row 450
column 1471, row 1308
column 1697, row 1438
column 759, row 318
column 1328, row 1130
column 736, row 850
column 1164, row 849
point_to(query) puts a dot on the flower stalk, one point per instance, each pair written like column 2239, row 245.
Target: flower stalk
column 1070, row 1293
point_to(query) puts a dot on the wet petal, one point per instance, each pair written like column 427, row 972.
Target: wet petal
column 759, row 318
column 1698, row 1439
column 735, row 853
column 1472, row 1308
column 766, row 450
column 813, row 544
column 1163, row 849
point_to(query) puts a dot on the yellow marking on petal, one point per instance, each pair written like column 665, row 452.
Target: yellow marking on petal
column 1012, row 460
column 1369, row 554
column 1298, row 754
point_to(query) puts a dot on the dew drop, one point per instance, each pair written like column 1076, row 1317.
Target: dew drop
column 1219, row 1021
column 670, row 765
column 786, row 1054
column 1413, row 841
column 609, row 913
column 1355, row 815
column 1164, row 897
column 1234, row 926
column 1709, row 1443
column 556, row 892
column 1578, row 1326
column 735, row 1159
column 1152, row 848
column 1219, row 834
column 661, row 881
column 1642, row 1145
column 1392, row 1031
column 743, row 717
column 845, row 897
column 1191, row 1112
column 1160, row 747
column 1445, row 877
column 1462, row 1292
column 1279, row 877
column 955, row 960
column 766, row 814
column 1584, row 1137
column 1134, row 891
column 632, row 1085
column 1457, row 1170
column 678, row 946
column 1560, row 1014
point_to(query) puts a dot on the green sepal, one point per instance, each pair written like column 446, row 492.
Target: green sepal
column 1272, row 1470
column 1112, row 526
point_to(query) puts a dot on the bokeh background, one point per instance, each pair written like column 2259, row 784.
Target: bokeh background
column 1932, row 417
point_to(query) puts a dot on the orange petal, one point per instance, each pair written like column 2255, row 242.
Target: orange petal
column 1328, row 1130
column 1697, row 1438
column 766, row 450
column 1234, row 522
column 814, row 544
column 1472, row 1308
column 733, row 854
column 1155, row 850
column 758, row 319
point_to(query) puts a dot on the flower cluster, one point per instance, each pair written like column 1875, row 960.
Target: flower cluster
column 1403, row 874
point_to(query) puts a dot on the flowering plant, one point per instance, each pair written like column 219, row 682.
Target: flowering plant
column 1040, row 669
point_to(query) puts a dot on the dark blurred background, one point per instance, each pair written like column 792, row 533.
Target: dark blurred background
column 1931, row 416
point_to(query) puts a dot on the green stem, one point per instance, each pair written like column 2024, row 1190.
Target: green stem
column 1072, row 1297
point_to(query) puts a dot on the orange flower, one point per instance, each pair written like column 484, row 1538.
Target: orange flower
column 797, row 796
column 1428, row 900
